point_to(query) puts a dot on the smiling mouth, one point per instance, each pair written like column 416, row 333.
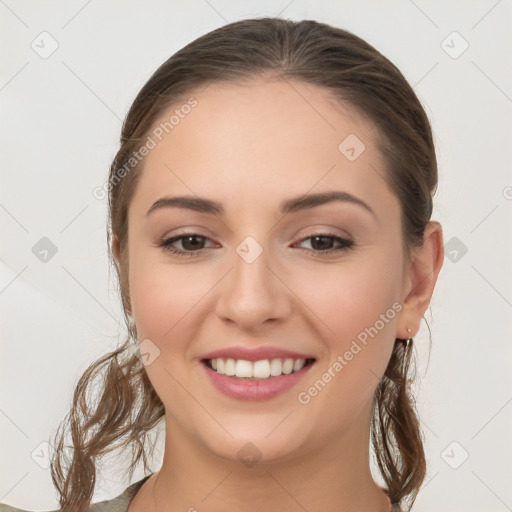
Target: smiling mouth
column 257, row 370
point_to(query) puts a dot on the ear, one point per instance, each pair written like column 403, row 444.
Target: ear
column 423, row 268
column 125, row 294
column 116, row 250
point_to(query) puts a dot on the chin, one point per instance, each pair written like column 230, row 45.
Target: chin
column 259, row 439
column 250, row 451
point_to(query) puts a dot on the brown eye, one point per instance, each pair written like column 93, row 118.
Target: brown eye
column 191, row 244
column 324, row 243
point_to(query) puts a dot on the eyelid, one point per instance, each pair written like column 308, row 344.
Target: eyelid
column 167, row 241
column 346, row 243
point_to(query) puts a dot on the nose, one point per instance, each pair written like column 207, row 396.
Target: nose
column 253, row 295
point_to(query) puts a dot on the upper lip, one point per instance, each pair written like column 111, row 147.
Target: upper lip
column 255, row 354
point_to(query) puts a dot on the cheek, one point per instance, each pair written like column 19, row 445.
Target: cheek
column 164, row 301
column 357, row 304
column 351, row 296
column 158, row 301
column 165, row 298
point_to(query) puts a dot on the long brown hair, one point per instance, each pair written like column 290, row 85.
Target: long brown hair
column 127, row 408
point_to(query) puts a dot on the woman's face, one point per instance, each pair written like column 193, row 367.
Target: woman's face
column 253, row 284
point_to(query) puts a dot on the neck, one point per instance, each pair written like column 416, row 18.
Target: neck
column 331, row 479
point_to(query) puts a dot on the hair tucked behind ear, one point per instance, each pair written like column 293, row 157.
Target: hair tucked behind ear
column 396, row 433
column 122, row 414
column 355, row 73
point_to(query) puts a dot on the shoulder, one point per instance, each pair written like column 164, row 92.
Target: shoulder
column 119, row 504
column 9, row 508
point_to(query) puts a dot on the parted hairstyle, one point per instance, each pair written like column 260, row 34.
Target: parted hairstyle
column 126, row 408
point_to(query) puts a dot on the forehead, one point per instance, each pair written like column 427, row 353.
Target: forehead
column 262, row 139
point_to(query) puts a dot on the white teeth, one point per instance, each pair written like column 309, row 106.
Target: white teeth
column 288, row 366
column 262, row 369
column 243, row 368
column 276, row 367
column 298, row 365
column 229, row 367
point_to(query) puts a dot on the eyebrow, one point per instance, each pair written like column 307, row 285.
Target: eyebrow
column 291, row 205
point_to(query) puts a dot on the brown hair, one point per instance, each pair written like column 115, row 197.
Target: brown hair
column 127, row 407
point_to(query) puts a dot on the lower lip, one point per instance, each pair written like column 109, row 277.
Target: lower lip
column 245, row 389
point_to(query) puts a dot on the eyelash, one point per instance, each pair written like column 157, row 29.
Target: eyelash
column 345, row 244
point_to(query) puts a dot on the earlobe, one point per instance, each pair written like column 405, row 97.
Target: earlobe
column 424, row 267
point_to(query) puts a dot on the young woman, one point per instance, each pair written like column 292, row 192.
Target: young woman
column 270, row 212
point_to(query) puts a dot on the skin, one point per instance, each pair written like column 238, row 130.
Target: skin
column 250, row 146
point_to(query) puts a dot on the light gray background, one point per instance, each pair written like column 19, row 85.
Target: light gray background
column 60, row 123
